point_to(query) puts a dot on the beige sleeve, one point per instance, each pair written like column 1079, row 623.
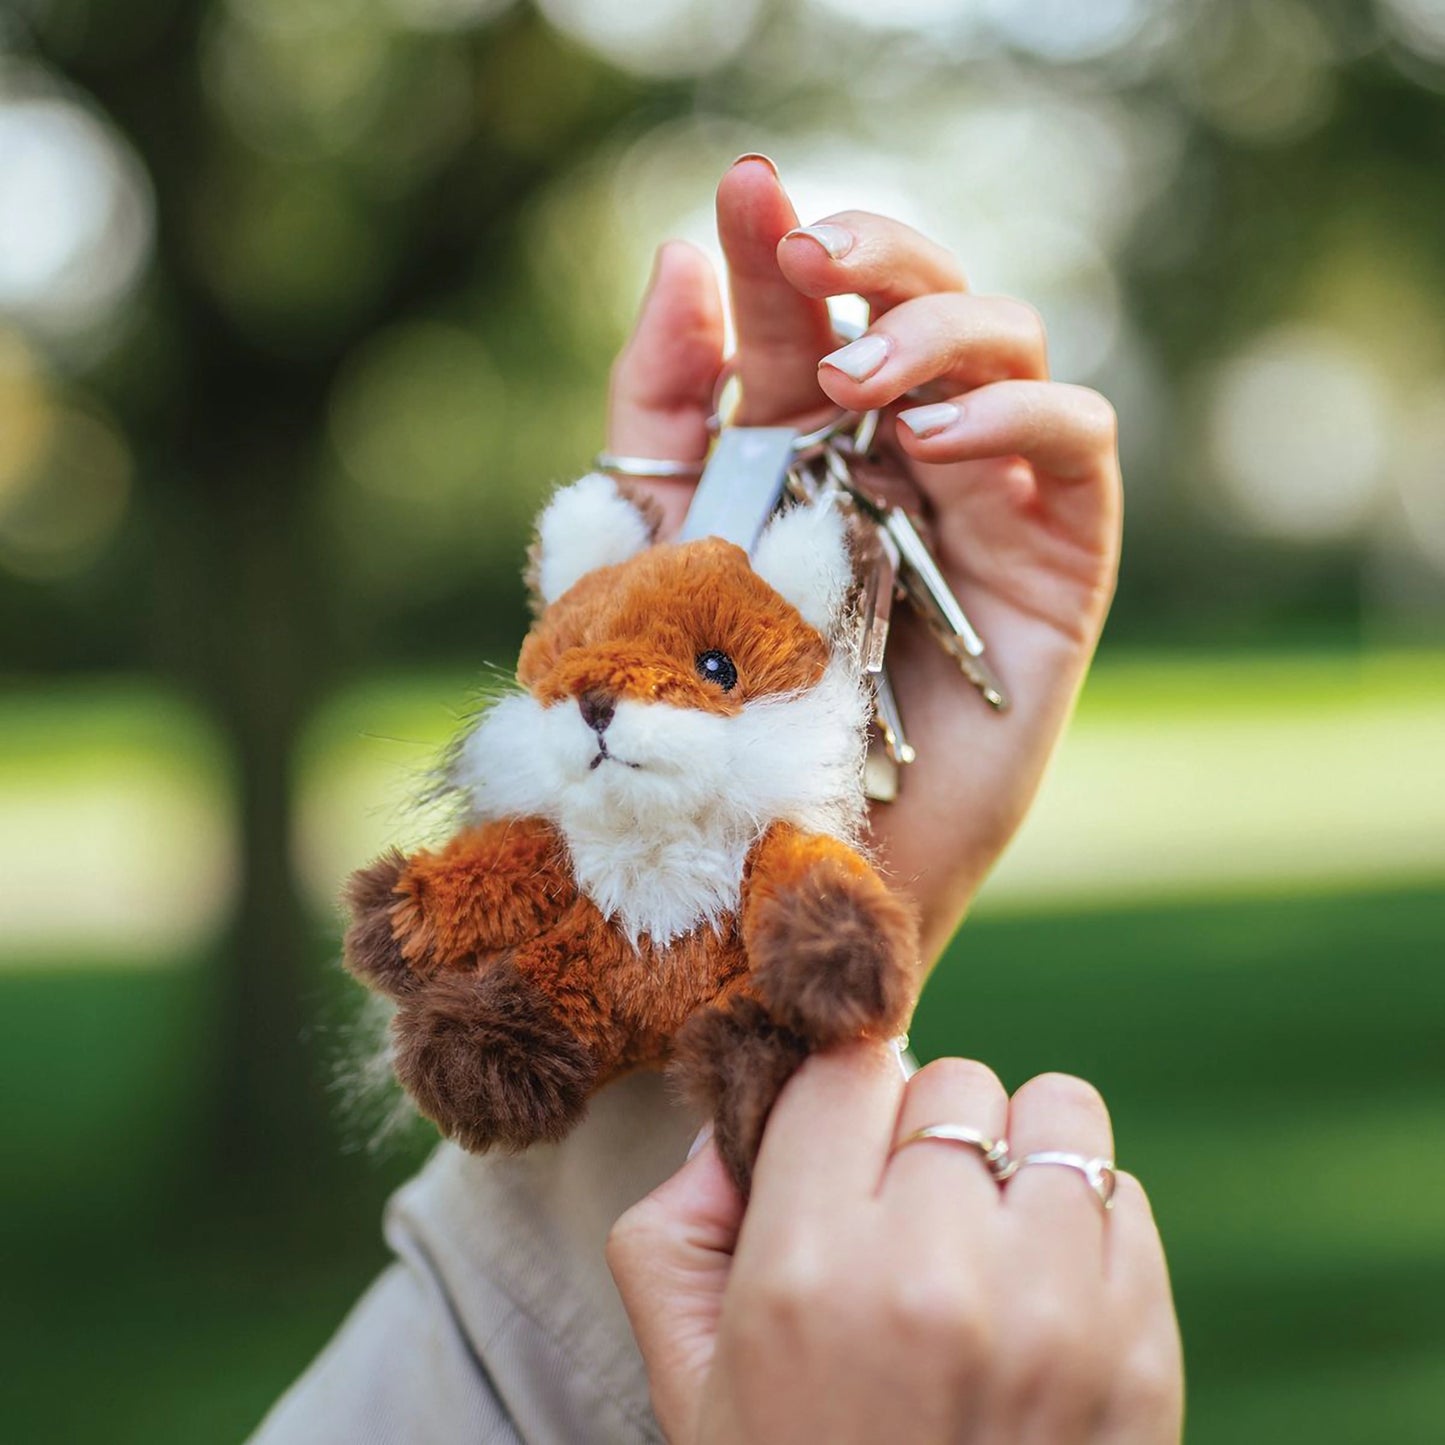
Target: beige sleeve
column 498, row 1322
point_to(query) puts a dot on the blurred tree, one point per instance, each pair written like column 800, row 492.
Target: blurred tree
column 224, row 383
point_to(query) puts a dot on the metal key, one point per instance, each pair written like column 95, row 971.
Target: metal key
column 924, row 585
column 880, row 562
column 934, row 601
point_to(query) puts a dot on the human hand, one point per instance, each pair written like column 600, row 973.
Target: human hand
column 1022, row 488
column 867, row 1297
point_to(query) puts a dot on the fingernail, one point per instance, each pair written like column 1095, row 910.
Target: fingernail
column 768, row 161
column 703, row 1135
column 833, row 239
column 859, row 359
column 927, row 421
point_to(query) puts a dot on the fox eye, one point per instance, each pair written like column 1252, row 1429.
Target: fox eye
column 718, row 667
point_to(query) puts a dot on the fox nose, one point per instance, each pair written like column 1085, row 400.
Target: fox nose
column 597, row 709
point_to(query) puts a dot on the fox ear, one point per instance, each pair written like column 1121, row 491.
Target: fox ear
column 803, row 556
column 587, row 525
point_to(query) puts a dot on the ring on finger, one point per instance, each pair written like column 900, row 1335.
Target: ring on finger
column 1100, row 1173
column 647, row 468
column 994, row 1152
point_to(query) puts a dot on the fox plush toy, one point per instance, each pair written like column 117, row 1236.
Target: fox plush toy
column 659, row 861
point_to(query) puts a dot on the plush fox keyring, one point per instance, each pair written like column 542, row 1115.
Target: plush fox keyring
column 659, row 865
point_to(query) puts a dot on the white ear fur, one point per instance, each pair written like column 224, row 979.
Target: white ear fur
column 586, row 526
column 803, row 556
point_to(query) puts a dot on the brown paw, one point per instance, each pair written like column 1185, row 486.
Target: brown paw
column 372, row 951
column 486, row 1059
column 835, row 956
column 732, row 1062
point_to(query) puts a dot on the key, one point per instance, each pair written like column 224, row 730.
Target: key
column 880, row 577
column 933, row 599
column 923, row 584
column 741, row 485
column 890, row 721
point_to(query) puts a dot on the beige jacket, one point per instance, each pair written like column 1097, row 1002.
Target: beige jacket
column 499, row 1322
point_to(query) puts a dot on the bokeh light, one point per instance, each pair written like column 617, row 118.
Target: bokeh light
column 1262, row 70
column 1299, row 429
column 657, row 37
column 75, row 211
column 1421, row 472
column 1420, row 24
column 417, row 413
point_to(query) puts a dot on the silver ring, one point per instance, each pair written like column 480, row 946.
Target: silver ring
column 994, row 1151
column 1100, row 1173
column 652, row 468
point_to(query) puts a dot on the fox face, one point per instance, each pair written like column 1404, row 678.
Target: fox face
column 675, row 701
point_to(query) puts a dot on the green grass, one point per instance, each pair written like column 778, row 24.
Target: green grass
column 1274, row 1070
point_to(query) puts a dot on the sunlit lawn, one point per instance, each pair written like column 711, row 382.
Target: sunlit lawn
column 1272, row 1053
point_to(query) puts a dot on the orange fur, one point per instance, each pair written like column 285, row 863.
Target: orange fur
column 621, row 631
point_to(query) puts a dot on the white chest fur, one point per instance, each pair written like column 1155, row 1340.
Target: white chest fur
column 661, row 883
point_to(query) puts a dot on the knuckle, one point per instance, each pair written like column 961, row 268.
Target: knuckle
column 852, row 217
column 798, row 1285
column 1100, row 420
column 1151, row 1384
column 1032, row 326
column 936, row 1314
column 633, row 1235
column 1053, row 1354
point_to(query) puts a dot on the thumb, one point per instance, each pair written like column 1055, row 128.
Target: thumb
column 662, row 383
column 671, row 1255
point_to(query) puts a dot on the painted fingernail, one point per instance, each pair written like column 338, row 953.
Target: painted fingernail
column 833, row 239
column 927, row 421
column 859, row 359
column 768, row 161
column 703, row 1135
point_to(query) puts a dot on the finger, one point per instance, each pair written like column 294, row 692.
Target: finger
column 828, row 1135
column 1146, row 1401
column 967, row 341
column 671, row 1256
column 1137, row 1271
column 780, row 332
column 938, row 1177
column 856, row 252
column 1055, row 1204
column 1068, row 433
column 663, row 379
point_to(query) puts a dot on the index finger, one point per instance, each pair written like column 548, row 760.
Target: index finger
column 875, row 257
column 828, row 1136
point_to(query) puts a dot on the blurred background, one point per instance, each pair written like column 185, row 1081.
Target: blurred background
column 304, row 305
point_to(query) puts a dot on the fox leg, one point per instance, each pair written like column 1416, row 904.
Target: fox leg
column 489, row 889
column 833, row 953
column 732, row 1060
column 476, row 1042
column 488, row 1059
